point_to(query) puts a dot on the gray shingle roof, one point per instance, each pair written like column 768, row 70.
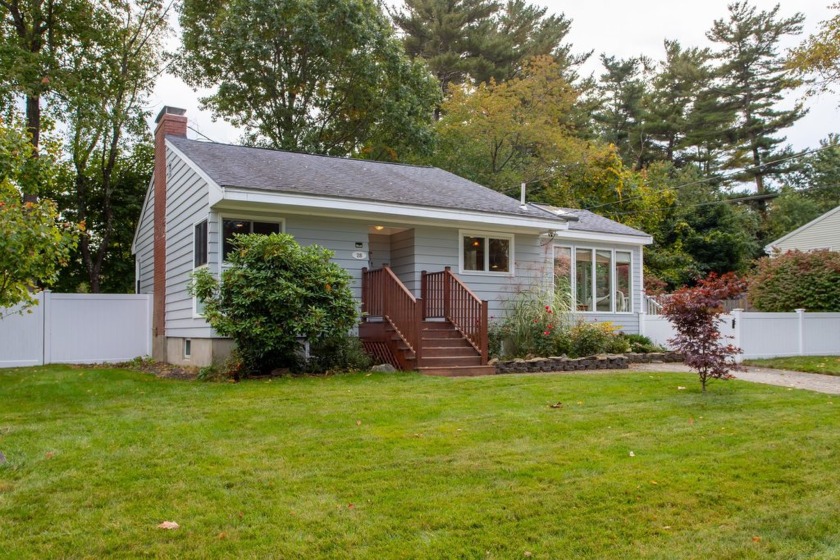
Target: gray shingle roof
column 289, row 172
column 591, row 222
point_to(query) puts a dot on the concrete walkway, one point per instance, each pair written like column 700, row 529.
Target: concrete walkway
column 784, row 378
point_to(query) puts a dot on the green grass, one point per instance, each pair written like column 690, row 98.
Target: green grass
column 829, row 365
column 433, row 467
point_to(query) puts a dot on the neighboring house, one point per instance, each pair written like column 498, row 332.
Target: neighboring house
column 387, row 224
column 821, row 233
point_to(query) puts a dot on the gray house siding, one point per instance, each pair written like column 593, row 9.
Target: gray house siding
column 145, row 245
column 187, row 203
column 822, row 233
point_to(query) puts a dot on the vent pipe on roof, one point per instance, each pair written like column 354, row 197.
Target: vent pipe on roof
column 522, row 204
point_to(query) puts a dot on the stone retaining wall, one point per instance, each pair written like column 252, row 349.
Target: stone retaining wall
column 562, row 363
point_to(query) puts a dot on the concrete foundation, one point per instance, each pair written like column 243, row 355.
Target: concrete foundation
column 203, row 351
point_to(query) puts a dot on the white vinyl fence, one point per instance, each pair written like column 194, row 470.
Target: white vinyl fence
column 77, row 329
column 766, row 335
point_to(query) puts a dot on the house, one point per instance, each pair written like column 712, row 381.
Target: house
column 432, row 256
column 821, row 233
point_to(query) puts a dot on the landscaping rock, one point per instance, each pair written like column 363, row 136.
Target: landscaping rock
column 384, row 368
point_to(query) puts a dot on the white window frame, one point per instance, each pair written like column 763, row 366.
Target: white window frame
column 613, row 276
column 247, row 217
column 486, row 235
column 195, row 313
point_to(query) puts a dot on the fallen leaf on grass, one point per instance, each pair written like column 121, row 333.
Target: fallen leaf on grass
column 168, row 525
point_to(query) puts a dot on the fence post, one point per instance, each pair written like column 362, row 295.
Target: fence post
column 800, row 316
column 46, row 301
column 737, row 321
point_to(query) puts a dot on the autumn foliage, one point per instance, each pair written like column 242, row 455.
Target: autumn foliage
column 695, row 313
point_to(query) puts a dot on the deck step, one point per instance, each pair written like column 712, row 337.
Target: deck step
column 458, row 371
column 450, row 361
column 448, row 352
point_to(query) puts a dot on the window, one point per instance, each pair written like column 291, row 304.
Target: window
column 481, row 253
column 622, row 282
column 200, row 244
column 599, row 279
column 233, row 227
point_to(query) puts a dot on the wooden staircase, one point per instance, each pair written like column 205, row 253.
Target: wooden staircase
column 444, row 332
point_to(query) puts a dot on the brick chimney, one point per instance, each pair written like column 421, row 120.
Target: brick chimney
column 170, row 122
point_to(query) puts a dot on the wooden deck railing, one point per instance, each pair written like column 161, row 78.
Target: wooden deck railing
column 383, row 295
column 445, row 296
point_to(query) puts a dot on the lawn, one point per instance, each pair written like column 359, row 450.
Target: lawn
column 829, row 365
column 404, row 466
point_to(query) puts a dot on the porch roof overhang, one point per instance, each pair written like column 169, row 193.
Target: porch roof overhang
column 241, row 199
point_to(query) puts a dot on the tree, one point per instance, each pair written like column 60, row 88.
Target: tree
column 105, row 116
column 503, row 134
column 820, row 54
column 797, row 280
column 323, row 76
column 34, row 36
column 274, row 293
column 476, row 41
column 753, row 80
column 623, row 116
column 34, row 241
column 445, row 35
column 695, row 314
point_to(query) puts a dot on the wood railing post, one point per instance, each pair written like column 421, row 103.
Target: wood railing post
column 447, row 291
column 485, row 329
column 424, row 286
column 364, row 293
column 418, row 333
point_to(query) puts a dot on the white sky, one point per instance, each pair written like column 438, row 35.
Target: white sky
column 616, row 27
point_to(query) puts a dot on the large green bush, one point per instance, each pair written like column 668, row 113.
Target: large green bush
column 797, row 280
column 275, row 293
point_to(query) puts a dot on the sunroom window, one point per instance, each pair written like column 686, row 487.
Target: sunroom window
column 599, row 279
column 233, row 227
column 486, row 254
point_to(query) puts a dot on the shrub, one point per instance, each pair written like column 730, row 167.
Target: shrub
column 275, row 293
column 535, row 324
column 695, row 314
column 590, row 338
column 641, row 344
column 797, row 280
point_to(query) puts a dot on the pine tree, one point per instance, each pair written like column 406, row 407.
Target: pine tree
column 623, row 116
column 753, row 80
